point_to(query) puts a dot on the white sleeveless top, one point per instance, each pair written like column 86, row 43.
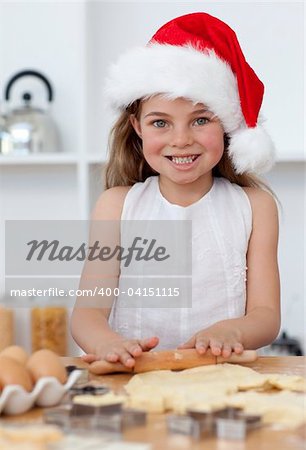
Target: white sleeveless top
column 221, row 227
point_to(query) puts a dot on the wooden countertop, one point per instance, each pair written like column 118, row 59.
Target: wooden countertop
column 155, row 432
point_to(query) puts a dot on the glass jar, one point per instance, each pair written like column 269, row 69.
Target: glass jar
column 49, row 329
column 6, row 327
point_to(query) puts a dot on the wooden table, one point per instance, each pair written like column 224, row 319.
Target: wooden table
column 156, row 433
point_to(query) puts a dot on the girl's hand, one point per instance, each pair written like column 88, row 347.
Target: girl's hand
column 221, row 338
column 122, row 350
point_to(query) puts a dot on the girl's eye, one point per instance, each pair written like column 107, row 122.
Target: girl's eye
column 201, row 121
column 159, row 123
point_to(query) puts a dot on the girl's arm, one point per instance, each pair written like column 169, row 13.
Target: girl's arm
column 89, row 321
column 261, row 323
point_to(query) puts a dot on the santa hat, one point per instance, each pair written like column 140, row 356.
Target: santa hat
column 197, row 56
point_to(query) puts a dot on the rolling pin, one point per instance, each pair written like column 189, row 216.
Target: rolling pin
column 170, row 360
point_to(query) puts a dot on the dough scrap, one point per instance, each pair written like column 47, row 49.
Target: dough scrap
column 8, row 444
column 30, row 434
column 99, row 400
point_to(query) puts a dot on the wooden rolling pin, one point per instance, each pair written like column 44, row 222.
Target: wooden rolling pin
column 170, row 360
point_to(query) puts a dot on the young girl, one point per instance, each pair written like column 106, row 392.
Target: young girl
column 187, row 144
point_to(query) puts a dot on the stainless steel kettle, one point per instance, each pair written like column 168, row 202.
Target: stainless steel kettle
column 26, row 130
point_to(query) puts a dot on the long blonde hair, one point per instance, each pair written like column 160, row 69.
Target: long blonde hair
column 127, row 166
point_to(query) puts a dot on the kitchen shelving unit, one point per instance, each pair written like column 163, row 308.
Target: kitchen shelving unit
column 55, row 186
column 84, row 171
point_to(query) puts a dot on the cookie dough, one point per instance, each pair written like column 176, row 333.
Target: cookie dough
column 99, row 400
column 213, row 387
column 29, row 437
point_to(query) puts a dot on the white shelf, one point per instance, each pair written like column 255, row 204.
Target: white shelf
column 51, row 158
column 94, row 159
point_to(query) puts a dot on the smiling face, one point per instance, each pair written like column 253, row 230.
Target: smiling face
column 181, row 141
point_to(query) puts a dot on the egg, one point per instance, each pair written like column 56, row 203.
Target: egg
column 13, row 372
column 45, row 363
column 16, row 352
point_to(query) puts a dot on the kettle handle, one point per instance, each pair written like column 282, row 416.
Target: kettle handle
column 24, row 73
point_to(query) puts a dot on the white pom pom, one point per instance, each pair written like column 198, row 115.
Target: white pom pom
column 251, row 150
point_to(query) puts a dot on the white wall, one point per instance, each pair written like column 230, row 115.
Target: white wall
column 49, row 37
column 288, row 182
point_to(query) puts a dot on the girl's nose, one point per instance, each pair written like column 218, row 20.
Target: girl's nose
column 181, row 137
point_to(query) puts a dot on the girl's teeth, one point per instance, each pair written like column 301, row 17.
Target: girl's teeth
column 184, row 160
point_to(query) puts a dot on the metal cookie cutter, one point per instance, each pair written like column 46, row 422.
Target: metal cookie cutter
column 227, row 423
column 194, row 423
column 58, row 416
column 233, row 423
column 106, row 418
column 204, row 422
column 94, row 410
column 83, row 378
column 88, row 389
column 106, row 423
column 181, row 424
column 133, row 417
column 116, row 421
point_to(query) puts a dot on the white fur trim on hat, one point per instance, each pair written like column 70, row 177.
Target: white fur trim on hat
column 202, row 77
column 176, row 72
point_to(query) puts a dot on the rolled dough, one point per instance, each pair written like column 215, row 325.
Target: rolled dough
column 212, row 387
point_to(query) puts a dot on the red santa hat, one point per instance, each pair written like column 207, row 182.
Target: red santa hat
column 198, row 57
